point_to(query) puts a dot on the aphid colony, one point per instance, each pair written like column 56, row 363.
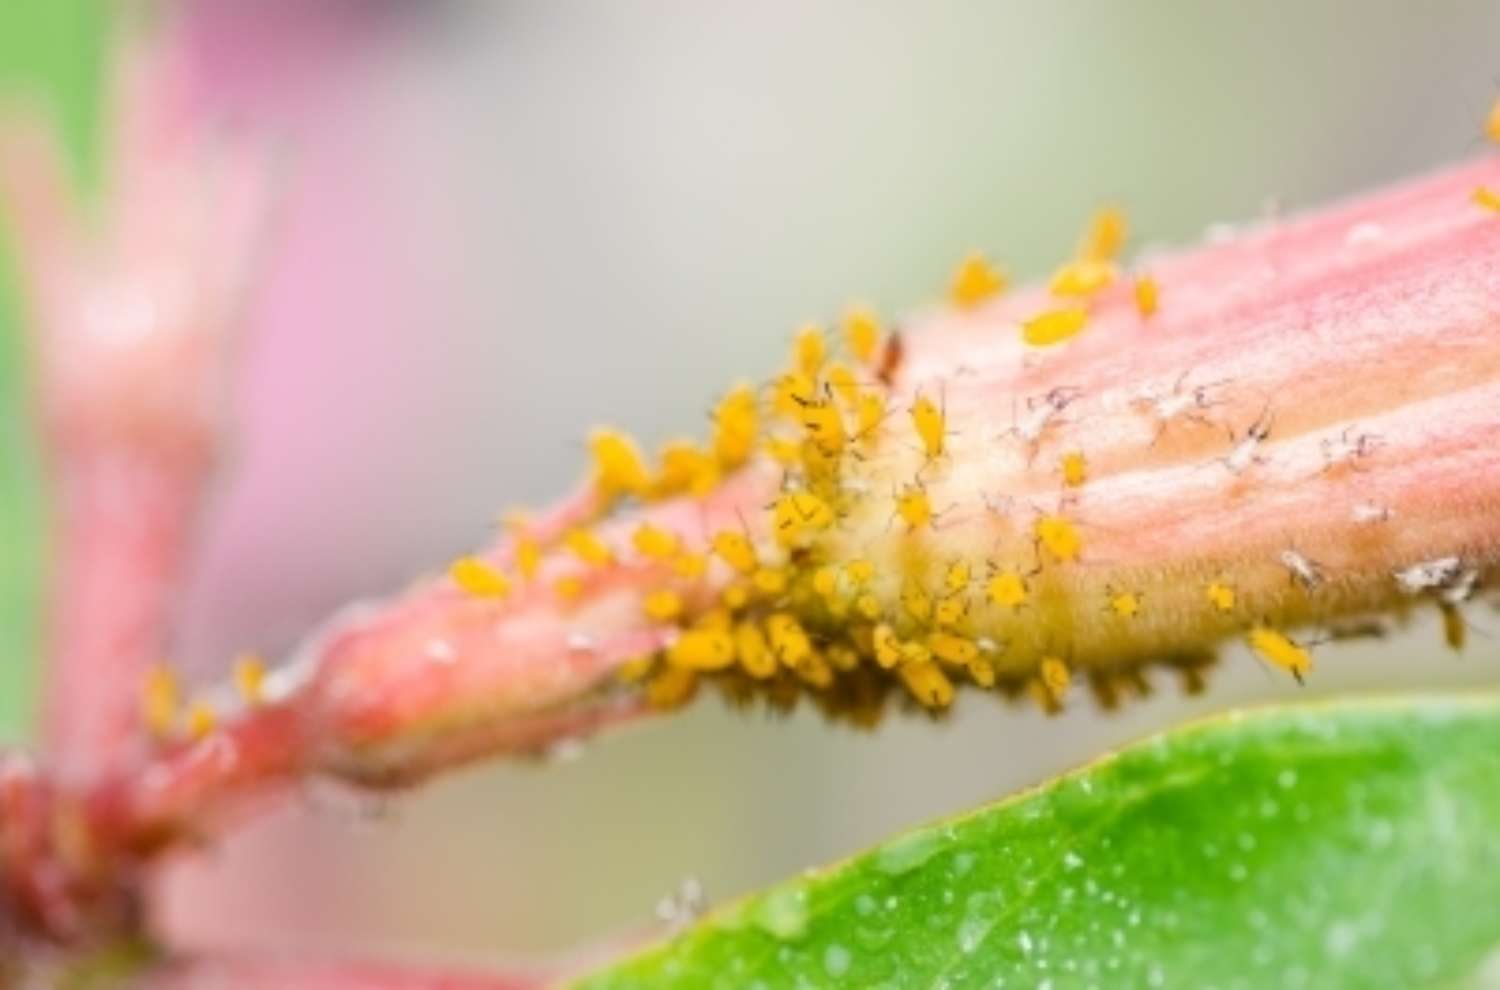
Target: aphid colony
column 781, row 607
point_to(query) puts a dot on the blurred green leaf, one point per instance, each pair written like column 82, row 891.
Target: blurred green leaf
column 52, row 49
column 1348, row 845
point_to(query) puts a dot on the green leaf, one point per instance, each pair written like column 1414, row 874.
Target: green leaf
column 52, row 48
column 1346, row 845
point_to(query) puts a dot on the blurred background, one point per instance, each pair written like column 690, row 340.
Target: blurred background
column 504, row 222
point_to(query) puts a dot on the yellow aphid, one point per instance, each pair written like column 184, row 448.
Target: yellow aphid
column 825, row 582
column 1075, row 469
column 478, row 578
column 1492, row 123
column 1487, row 198
column 1060, row 538
column 1105, row 236
column 689, row 565
column 843, row 383
column 587, row 547
column 528, row 557
column 1055, row 677
column 770, row 581
column 788, row 639
column 916, row 601
column 862, row 334
column 785, row 451
column 927, row 683
column 250, row 679
column 662, row 605
column 736, row 596
column 957, row 576
column 953, row 649
column 869, row 411
column 655, row 542
column 842, row 657
column 824, row 425
column 799, row 516
column 735, row 550
column 981, row 673
column 672, row 688
column 867, row 606
column 1007, row 589
column 201, row 720
column 160, row 699
column 716, row 618
column 634, row 670
column 886, row 646
column 859, row 571
column 568, row 587
column 1220, row 596
column 1147, row 296
column 814, row 671
column 915, row 652
column 753, row 651
column 791, row 392
column 950, row 609
column 736, row 426
column 914, row 507
column 618, row 467
column 685, row 467
column 809, row 351
column 931, row 424
column 1054, row 326
column 1125, row 604
column 1280, row 650
column 1082, row 278
column 702, row 649
column 975, row 281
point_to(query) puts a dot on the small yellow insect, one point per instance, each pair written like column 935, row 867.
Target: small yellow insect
column 753, row 651
column 824, row 425
column 927, row 683
column 809, row 351
column 859, row 571
column 618, row 467
column 735, row 550
column 685, row 467
column 789, row 641
column 1125, row 604
column 587, row 547
column 914, row 507
column 1105, row 236
column 981, row 673
column 1487, row 198
column 770, row 581
column 569, row 587
column 662, row 605
column 1082, row 278
column 799, row 516
column 250, row 679
column 1007, row 589
column 975, row 281
column 478, row 578
column 825, row 581
column 868, row 606
column 201, row 720
column 950, row 609
column 784, row 451
column 869, row 412
column 1147, row 296
column 673, row 687
column 952, row 648
column 843, row 383
column 1060, row 538
column 634, row 670
column 842, row 657
column 916, row 600
column 654, row 542
column 1054, row 326
column 1280, row 650
column 1221, row 596
column 528, row 557
column 161, row 696
column 791, row 392
column 1055, row 677
column 1074, row 468
column 736, row 426
column 814, row 671
column 931, row 424
column 702, row 649
column 689, row 565
column 736, row 595
column 958, row 575
column 862, row 334
column 886, row 646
